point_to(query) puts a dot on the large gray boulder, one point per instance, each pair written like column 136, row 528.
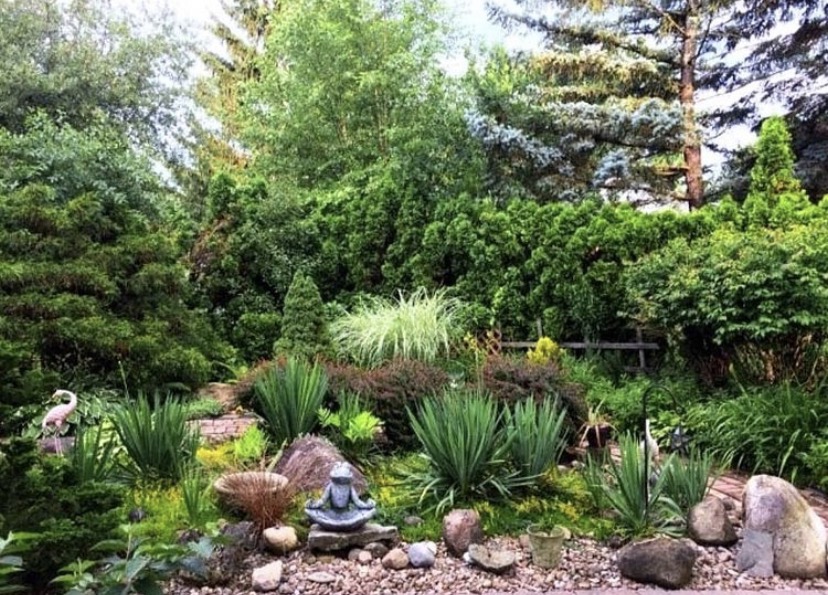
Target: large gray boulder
column 659, row 561
column 461, row 528
column 772, row 505
column 308, row 461
column 707, row 523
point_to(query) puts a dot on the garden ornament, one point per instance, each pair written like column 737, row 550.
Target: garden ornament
column 57, row 416
column 340, row 507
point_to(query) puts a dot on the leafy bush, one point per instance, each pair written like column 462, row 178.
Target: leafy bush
column 389, row 390
column 466, row 447
column 304, row 328
column 250, row 447
column 536, row 435
column 157, row 438
column 41, row 494
column 420, row 326
column 351, row 428
column 764, row 429
column 761, row 289
column 10, row 562
column 202, row 408
column 290, row 397
column 511, row 379
column 135, row 564
column 545, row 351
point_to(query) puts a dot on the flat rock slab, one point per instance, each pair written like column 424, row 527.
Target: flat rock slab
column 495, row 561
column 332, row 541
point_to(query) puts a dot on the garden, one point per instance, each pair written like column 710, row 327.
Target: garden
column 499, row 331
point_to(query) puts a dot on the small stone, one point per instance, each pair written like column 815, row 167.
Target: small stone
column 377, row 549
column 364, row 557
column 267, row 577
column 422, row 554
column 396, row 559
column 413, row 521
column 353, row 555
column 281, row 539
column 524, row 541
column 461, row 527
column 321, row 577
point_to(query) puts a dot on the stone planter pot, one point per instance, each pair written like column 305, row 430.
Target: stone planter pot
column 546, row 546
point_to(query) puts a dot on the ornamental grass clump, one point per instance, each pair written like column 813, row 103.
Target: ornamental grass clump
column 289, row 399
column 159, row 442
column 466, row 447
column 419, row 326
column 255, row 495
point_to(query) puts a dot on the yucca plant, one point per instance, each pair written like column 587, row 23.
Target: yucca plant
column 536, row 434
column 93, row 456
column 638, row 501
column 687, row 481
column 420, row 326
column 289, row 398
column 157, row 438
column 466, row 448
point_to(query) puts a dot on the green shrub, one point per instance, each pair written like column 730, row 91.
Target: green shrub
column 466, row 447
column 304, row 328
column 290, row 397
column 202, row 408
column 513, row 379
column 536, row 435
column 351, row 428
column 157, row 438
column 764, row 429
column 10, row 562
column 419, row 326
column 250, row 447
column 41, row 494
column 389, row 390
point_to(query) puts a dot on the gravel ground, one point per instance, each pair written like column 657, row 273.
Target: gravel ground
column 586, row 565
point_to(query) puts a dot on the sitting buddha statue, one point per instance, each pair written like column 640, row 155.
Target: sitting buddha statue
column 340, row 507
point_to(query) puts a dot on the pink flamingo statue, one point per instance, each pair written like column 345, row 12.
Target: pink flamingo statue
column 57, row 416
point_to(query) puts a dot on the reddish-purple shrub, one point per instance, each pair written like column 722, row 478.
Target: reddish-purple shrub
column 511, row 379
column 388, row 390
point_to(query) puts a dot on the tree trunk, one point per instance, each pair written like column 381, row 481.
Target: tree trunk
column 692, row 142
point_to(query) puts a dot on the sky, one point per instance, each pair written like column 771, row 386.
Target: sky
column 475, row 29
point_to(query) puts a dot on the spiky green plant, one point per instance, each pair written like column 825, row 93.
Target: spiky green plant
column 157, row 438
column 289, row 399
column 93, row 456
column 466, row 448
column 536, row 434
column 687, row 481
column 418, row 326
column 639, row 503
